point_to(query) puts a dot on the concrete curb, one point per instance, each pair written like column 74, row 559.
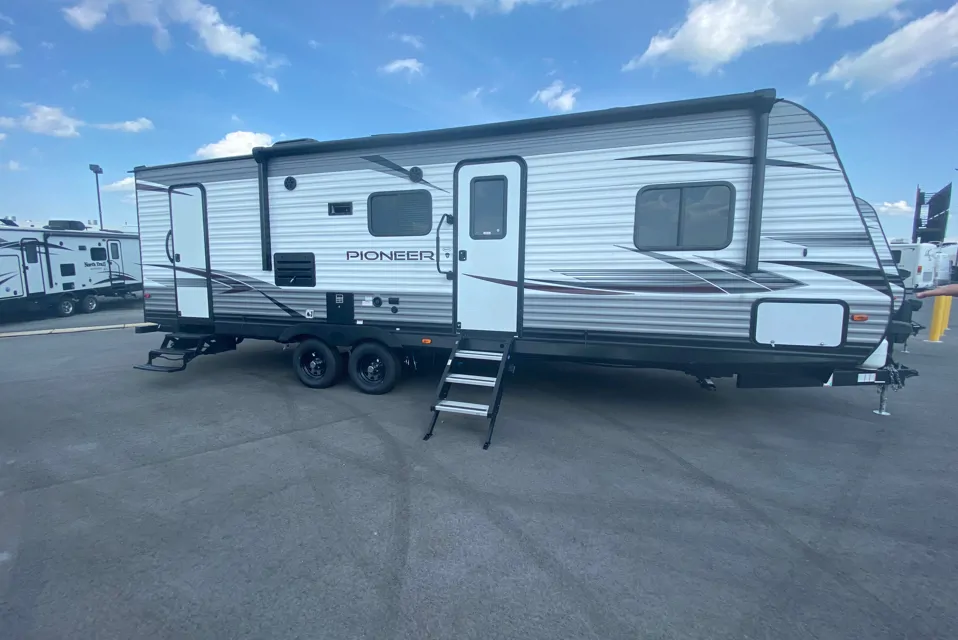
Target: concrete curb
column 45, row 332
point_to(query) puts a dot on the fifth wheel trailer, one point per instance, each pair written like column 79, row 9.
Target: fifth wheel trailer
column 65, row 269
column 719, row 237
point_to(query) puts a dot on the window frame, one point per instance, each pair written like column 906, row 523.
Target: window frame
column 105, row 254
column 505, row 206
column 681, row 186
column 369, row 216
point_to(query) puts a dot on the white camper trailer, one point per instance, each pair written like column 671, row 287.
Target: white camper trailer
column 945, row 261
column 718, row 237
column 65, row 268
column 916, row 263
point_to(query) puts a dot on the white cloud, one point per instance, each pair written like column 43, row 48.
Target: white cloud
column 82, row 85
column 313, row 44
column 8, row 46
column 556, row 97
column 235, row 119
column 52, row 121
column 474, row 94
column 472, row 7
column 129, row 126
column 413, row 41
column 12, row 165
column 266, row 81
column 46, row 44
column 216, row 36
column 410, row 66
column 237, row 143
column 718, row 31
column 126, row 184
column 14, row 65
column 911, row 50
column 7, row 19
column 895, row 208
column 3, row 137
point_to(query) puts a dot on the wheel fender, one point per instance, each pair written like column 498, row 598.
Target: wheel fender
column 337, row 335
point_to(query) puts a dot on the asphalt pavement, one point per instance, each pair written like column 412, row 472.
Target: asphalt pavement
column 229, row 501
column 112, row 311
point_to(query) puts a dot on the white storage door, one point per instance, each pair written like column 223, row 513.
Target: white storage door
column 800, row 324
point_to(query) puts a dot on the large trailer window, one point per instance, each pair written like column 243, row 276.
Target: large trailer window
column 487, row 208
column 684, row 217
column 97, row 253
column 896, row 256
column 400, row 213
column 68, row 270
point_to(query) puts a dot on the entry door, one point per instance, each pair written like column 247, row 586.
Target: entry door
column 33, row 267
column 489, row 218
column 189, row 241
column 115, row 261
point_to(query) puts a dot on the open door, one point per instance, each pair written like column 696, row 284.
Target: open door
column 189, row 252
column 490, row 208
column 115, row 261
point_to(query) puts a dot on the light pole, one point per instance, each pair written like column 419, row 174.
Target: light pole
column 95, row 168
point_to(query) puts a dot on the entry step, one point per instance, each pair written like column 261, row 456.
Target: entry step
column 476, row 381
column 468, row 408
column 173, row 352
column 479, row 355
column 156, row 367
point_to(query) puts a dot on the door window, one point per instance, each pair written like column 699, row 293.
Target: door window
column 114, row 251
column 487, row 208
column 31, row 253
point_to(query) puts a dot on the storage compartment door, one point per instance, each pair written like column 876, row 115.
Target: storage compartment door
column 11, row 278
column 799, row 323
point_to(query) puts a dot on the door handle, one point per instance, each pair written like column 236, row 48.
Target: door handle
column 462, row 255
column 176, row 257
column 445, row 218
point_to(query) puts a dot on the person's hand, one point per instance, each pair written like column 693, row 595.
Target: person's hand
column 947, row 290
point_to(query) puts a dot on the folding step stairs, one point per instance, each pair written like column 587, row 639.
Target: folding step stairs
column 473, row 363
column 180, row 348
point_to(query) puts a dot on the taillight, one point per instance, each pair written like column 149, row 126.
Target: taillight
column 919, row 268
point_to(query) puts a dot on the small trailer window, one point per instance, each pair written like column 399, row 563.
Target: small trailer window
column 97, row 253
column 684, row 217
column 115, row 251
column 31, row 252
column 400, row 213
column 896, row 256
column 487, row 208
column 67, row 269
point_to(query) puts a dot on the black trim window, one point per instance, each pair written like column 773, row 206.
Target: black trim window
column 31, row 252
column 400, row 213
column 488, row 204
column 896, row 256
column 114, row 251
column 684, row 217
column 97, row 253
column 67, row 270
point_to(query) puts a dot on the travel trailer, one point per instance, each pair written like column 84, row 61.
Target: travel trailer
column 718, row 237
column 65, row 268
column 916, row 263
column 946, row 259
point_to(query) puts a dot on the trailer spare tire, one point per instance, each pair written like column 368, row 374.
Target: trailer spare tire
column 316, row 364
column 374, row 368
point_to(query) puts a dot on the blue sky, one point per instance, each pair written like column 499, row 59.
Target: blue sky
column 122, row 83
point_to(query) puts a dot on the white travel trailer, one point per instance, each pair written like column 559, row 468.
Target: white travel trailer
column 916, row 263
column 945, row 263
column 65, row 268
column 719, row 237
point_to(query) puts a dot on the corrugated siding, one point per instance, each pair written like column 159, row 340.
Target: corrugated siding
column 154, row 217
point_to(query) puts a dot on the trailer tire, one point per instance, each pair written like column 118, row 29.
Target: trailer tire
column 317, row 365
column 374, row 368
column 89, row 303
column 66, row 306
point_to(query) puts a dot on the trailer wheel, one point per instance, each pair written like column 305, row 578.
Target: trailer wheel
column 66, row 307
column 316, row 365
column 89, row 303
column 374, row 368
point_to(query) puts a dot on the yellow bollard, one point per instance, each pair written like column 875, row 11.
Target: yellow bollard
column 939, row 319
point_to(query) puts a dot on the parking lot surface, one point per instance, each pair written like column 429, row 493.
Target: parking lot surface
column 229, row 501
column 112, row 311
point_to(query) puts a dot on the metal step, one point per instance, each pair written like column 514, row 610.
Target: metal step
column 479, row 355
column 156, row 367
column 173, row 352
column 468, row 408
column 476, row 381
